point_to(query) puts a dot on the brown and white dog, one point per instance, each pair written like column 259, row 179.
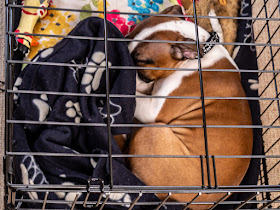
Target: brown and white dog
column 180, row 140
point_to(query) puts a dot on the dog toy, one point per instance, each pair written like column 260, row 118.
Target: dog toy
column 29, row 17
column 222, row 8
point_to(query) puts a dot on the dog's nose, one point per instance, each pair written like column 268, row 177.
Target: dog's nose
column 145, row 79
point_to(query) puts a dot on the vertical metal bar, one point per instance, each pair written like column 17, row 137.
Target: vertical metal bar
column 247, row 200
column 108, row 95
column 269, row 203
column 162, row 202
column 86, row 199
column 215, row 173
column 75, row 200
column 202, row 97
column 202, row 172
column 222, row 199
column 99, row 200
column 135, row 201
column 104, row 202
column 199, row 194
column 45, row 200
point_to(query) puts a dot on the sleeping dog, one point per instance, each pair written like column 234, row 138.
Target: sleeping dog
column 185, row 136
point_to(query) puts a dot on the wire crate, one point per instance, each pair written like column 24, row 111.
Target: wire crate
column 263, row 39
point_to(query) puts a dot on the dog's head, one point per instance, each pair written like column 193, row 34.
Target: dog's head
column 157, row 53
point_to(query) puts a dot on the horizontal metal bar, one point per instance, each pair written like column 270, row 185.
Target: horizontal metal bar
column 135, row 125
column 142, row 14
column 145, row 40
column 138, row 68
column 133, row 156
column 144, row 189
column 135, row 96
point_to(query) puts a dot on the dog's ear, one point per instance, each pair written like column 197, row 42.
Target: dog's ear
column 183, row 51
column 173, row 10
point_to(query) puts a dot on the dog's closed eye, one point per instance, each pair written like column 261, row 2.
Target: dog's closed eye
column 143, row 61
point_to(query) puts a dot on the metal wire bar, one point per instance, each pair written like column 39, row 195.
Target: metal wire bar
column 135, row 200
column 75, row 201
column 138, row 156
column 134, row 96
column 199, row 194
column 108, row 110
column 215, row 172
column 104, row 202
column 163, row 201
column 142, row 14
column 137, row 125
column 222, row 199
column 45, row 200
column 137, row 68
column 146, row 189
column 247, row 200
column 202, row 97
column 202, row 172
column 137, row 40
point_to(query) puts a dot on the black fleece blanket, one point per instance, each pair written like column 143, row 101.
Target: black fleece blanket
column 73, row 109
column 76, row 139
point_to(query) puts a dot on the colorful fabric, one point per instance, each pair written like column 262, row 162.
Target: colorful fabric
column 61, row 22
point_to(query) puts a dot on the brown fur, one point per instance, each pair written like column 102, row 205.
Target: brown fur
column 229, row 26
column 190, row 141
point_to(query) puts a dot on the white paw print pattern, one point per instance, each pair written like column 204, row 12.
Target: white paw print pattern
column 92, row 75
column 46, row 52
column 254, row 84
column 70, row 196
column 31, row 174
column 120, row 197
column 43, row 106
column 73, row 111
column 16, row 86
column 117, row 110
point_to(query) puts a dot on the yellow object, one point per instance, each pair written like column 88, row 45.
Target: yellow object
column 57, row 22
column 223, row 2
column 29, row 17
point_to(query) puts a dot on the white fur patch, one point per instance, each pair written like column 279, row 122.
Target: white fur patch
column 185, row 28
column 216, row 26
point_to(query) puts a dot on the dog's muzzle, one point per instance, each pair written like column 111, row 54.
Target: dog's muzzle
column 144, row 79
